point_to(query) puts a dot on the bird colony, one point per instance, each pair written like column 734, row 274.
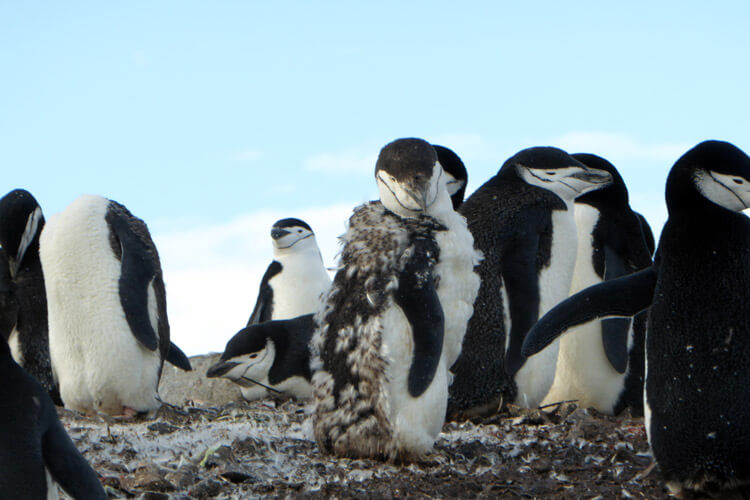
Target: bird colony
column 542, row 287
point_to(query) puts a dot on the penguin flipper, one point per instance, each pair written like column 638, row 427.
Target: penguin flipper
column 137, row 270
column 65, row 463
column 178, row 358
column 264, row 303
column 522, row 287
column 615, row 330
column 624, row 297
column 418, row 299
column 648, row 235
column 8, row 303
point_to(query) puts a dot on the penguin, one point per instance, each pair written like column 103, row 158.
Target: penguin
column 522, row 221
column 108, row 326
column 455, row 173
column 36, row 453
column 8, row 303
column 595, row 363
column 296, row 279
column 697, row 348
column 21, row 222
column 270, row 356
column 394, row 318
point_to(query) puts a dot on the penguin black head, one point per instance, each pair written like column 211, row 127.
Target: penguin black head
column 409, row 177
column 713, row 170
column 285, row 233
column 248, row 356
column 21, row 222
column 615, row 194
column 555, row 170
column 455, row 174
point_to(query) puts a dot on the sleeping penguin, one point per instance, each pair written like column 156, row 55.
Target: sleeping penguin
column 273, row 356
column 522, row 221
column 395, row 316
column 108, row 327
column 296, row 278
column 698, row 329
column 455, row 173
column 21, row 222
column 35, row 450
column 601, row 364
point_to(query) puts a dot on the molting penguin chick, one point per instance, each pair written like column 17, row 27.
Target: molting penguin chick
column 21, row 222
column 601, row 364
column 396, row 313
column 455, row 173
column 109, row 333
column 272, row 354
column 35, row 450
column 522, row 221
column 697, row 347
column 296, row 279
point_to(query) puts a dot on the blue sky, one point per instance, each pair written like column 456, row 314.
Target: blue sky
column 212, row 119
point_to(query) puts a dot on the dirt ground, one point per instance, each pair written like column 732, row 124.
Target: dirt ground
column 265, row 449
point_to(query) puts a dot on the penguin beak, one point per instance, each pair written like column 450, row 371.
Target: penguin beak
column 277, row 233
column 585, row 179
column 220, row 368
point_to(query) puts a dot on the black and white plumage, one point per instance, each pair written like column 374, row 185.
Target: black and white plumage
column 600, row 365
column 456, row 176
column 109, row 333
column 273, row 354
column 394, row 319
column 35, row 450
column 522, row 221
column 21, row 223
column 296, row 279
column 697, row 348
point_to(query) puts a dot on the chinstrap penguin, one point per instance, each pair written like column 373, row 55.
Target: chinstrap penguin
column 296, row 279
column 522, row 221
column 21, row 223
column 396, row 313
column 600, row 360
column 697, row 348
column 455, row 173
column 35, row 450
column 109, row 333
column 273, row 354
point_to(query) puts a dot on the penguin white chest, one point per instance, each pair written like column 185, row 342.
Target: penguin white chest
column 298, row 288
column 535, row 377
column 583, row 371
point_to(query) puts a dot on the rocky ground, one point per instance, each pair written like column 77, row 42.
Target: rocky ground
column 237, row 449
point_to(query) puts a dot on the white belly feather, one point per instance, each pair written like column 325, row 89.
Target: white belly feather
column 583, row 371
column 95, row 358
column 299, row 288
column 535, row 377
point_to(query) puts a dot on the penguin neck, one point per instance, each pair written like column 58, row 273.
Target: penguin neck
column 306, row 248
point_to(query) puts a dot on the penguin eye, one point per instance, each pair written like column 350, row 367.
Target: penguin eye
column 299, row 230
column 393, row 179
column 253, row 356
column 552, row 173
column 738, row 180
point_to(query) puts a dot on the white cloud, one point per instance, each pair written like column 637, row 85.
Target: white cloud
column 344, row 161
column 212, row 273
column 619, row 146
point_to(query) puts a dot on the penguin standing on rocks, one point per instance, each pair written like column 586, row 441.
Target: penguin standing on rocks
column 396, row 313
column 270, row 356
column 109, row 333
column 698, row 330
column 21, row 223
column 35, row 450
column 296, row 279
column 522, row 221
column 595, row 362
column 455, row 173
